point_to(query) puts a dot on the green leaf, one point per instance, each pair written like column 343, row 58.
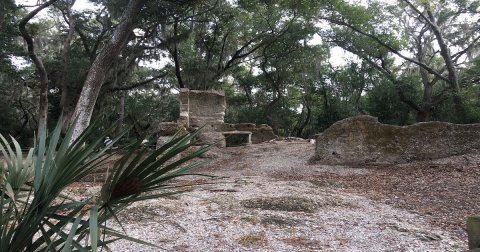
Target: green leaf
column 94, row 227
column 9, row 191
column 129, row 238
column 71, row 235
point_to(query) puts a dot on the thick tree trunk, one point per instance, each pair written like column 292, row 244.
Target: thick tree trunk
column 42, row 72
column 101, row 65
column 424, row 115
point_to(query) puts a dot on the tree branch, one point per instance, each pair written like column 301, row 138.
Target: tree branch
column 138, row 84
column 390, row 48
column 43, row 103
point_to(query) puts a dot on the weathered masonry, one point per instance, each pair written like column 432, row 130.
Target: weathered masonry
column 364, row 140
column 206, row 109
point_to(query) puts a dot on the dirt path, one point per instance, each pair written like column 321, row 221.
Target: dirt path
column 268, row 197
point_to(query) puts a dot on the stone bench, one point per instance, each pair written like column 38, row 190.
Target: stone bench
column 239, row 133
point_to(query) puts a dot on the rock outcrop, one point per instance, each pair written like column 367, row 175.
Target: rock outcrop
column 363, row 140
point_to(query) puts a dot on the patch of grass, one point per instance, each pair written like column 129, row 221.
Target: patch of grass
column 278, row 221
column 286, row 203
column 253, row 240
column 456, row 246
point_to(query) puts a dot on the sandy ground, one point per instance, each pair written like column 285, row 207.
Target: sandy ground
column 269, row 197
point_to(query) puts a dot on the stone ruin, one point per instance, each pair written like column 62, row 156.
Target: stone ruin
column 363, row 140
column 206, row 110
column 260, row 133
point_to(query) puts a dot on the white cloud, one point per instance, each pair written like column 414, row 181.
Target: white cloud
column 84, row 5
column 79, row 4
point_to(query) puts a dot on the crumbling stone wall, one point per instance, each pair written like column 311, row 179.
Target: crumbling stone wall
column 200, row 108
column 363, row 140
column 203, row 109
column 260, row 133
column 207, row 109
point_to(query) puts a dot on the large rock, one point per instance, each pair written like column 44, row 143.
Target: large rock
column 168, row 128
column 263, row 133
column 363, row 140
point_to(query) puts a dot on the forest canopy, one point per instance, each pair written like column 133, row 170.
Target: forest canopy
column 298, row 66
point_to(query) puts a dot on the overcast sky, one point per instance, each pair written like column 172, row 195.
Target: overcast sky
column 79, row 4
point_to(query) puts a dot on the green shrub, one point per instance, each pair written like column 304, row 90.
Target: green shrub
column 36, row 217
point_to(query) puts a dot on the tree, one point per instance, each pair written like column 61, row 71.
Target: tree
column 425, row 26
column 216, row 37
column 260, row 52
column 42, row 72
column 101, row 65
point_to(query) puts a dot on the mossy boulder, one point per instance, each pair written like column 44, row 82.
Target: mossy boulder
column 364, row 140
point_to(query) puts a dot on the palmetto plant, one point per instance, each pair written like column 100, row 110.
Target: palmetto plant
column 35, row 216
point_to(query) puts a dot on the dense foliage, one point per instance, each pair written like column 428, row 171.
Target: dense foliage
column 280, row 62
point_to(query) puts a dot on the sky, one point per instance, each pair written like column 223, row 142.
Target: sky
column 79, row 4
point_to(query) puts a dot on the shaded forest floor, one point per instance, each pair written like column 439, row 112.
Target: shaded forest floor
column 269, row 197
column 444, row 193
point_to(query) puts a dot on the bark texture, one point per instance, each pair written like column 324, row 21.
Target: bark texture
column 101, row 65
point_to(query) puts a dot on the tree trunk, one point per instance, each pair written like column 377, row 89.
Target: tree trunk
column 121, row 114
column 176, row 60
column 304, row 124
column 42, row 72
column 268, row 114
column 2, row 15
column 452, row 74
column 65, row 100
column 450, row 65
column 424, row 114
column 101, row 65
